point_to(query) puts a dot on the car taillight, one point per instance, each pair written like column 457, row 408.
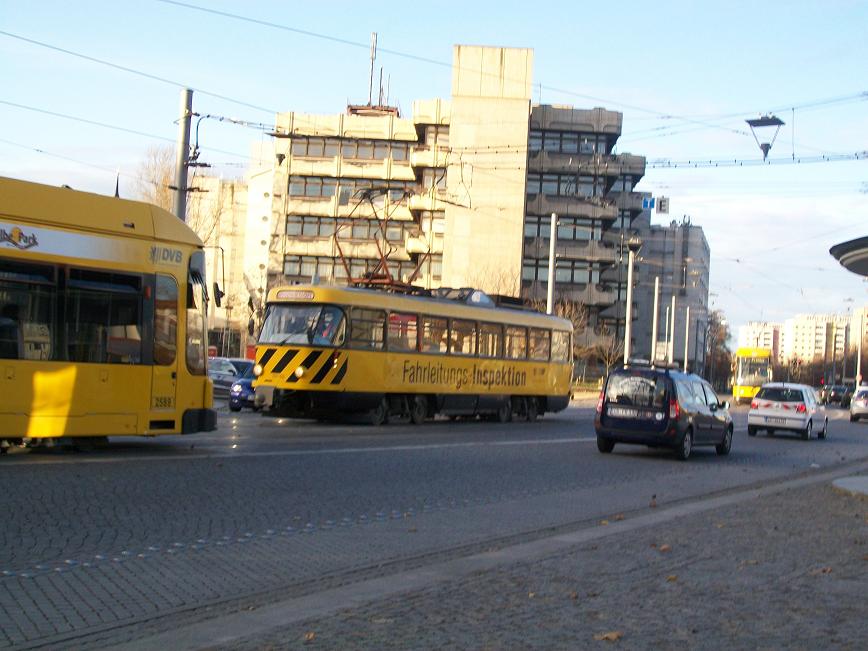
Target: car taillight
column 600, row 402
column 753, row 404
column 674, row 409
column 801, row 408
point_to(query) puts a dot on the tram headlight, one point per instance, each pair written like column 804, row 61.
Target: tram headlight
column 299, row 372
column 257, row 370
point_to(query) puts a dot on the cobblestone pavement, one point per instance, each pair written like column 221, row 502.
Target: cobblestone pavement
column 783, row 571
column 101, row 548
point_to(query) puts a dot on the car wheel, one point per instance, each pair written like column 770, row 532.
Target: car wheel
column 418, row 410
column 825, row 431
column 853, row 418
column 751, row 430
column 379, row 415
column 725, row 446
column 234, row 407
column 686, row 447
column 605, row 445
column 770, row 431
column 806, row 433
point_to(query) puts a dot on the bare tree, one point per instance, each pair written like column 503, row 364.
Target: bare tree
column 608, row 351
column 576, row 313
column 155, row 174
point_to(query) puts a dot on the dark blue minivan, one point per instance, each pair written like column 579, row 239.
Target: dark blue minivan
column 659, row 407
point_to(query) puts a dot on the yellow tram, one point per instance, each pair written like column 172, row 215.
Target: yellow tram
column 102, row 318
column 325, row 351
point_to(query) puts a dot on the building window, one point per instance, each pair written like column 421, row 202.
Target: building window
column 433, row 177
column 312, row 186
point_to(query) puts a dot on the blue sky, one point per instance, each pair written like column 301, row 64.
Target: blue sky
column 685, row 74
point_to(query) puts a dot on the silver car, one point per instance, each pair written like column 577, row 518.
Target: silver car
column 859, row 404
column 788, row 407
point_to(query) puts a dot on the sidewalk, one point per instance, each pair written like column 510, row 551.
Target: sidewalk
column 787, row 570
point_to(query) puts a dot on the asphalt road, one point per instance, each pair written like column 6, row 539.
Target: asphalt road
column 105, row 547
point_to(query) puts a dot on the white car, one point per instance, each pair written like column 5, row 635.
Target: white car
column 788, row 407
column 859, row 404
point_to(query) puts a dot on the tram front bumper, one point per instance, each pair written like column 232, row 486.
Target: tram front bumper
column 263, row 397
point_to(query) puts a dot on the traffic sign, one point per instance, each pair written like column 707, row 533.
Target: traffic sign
column 647, row 203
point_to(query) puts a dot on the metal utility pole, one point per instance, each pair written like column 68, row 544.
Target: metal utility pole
column 666, row 336
column 672, row 333
column 686, row 335
column 553, row 240
column 654, row 319
column 859, row 350
column 634, row 244
column 181, row 159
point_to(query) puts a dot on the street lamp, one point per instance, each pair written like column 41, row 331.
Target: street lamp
column 633, row 246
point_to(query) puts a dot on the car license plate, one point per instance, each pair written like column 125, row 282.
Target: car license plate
column 776, row 421
column 623, row 412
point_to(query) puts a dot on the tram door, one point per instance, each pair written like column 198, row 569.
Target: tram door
column 166, row 347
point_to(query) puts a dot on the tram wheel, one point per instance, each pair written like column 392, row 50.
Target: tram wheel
column 504, row 412
column 379, row 415
column 418, row 410
column 531, row 409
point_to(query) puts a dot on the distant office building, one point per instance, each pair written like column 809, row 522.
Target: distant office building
column 807, row 337
column 679, row 256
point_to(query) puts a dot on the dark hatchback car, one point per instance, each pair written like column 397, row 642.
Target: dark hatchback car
column 241, row 393
column 840, row 394
column 659, row 407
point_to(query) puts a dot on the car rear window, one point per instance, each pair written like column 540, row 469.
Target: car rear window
column 862, row 395
column 637, row 388
column 780, row 395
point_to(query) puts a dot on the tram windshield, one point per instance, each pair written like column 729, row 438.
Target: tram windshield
column 316, row 325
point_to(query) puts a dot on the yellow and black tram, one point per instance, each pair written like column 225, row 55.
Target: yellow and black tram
column 325, row 351
column 102, row 318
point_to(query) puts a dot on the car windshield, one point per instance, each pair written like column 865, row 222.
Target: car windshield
column 753, row 371
column 777, row 394
column 303, row 324
column 241, row 366
column 637, row 388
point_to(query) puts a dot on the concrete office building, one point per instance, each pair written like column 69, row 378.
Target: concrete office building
column 677, row 254
column 457, row 194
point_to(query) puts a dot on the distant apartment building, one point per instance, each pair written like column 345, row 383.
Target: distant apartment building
column 679, row 258
column 808, row 337
column 762, row 334
column 459, row 193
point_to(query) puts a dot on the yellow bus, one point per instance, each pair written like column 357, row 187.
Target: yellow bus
column 102, row 318
column 753, row 368
column 325, row 351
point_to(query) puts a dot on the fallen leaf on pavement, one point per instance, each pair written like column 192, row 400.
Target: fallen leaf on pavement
column 744, row 564
column 665, row 548
column 672, row 578
column 821, row 570
column 719, row 525
column 574, row 595
column 412, row 530
column 653, row 503
column 619, row 517
column 310, row 636
column 604, row 522
column 531, row 595
column 611, row 636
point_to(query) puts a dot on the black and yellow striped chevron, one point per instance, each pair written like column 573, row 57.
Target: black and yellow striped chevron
column 322, row 367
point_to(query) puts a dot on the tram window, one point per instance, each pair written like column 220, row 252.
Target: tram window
column 366, row 328
column 27, row 311
column 165, row 320
column 515, row 343
column 434, row 332
column 103, row 317
column 403, row 332
column 490, row 340
column 462, row 337
column 560, row 346
column 540, row 344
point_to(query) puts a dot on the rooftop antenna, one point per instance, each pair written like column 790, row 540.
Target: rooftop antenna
column 767, row 120
column 380, row 96
column 373, row 58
